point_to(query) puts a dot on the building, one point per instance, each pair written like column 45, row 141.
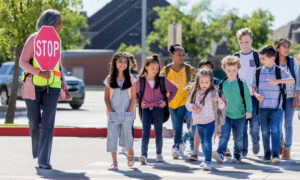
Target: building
column 120, row 22
column 290, row 31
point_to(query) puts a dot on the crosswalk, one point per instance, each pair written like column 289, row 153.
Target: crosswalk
column 251, row 167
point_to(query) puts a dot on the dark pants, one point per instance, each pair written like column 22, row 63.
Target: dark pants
column 157, row 115
column 254, row 123
column 237, row 126
column 41, row 114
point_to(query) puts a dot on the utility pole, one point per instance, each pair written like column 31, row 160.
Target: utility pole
column 144, row 10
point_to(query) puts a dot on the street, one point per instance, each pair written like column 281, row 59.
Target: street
column 86, row 158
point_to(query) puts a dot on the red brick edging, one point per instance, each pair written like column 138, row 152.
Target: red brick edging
column 68, row 132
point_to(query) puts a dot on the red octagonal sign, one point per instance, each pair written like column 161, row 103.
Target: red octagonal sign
column 47, row 48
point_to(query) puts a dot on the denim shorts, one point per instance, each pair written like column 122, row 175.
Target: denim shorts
column 119, row 128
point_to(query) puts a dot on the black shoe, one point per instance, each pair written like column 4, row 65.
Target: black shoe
column 267, row 158
column 237, row 159
column 275, row 158
column 47, row 167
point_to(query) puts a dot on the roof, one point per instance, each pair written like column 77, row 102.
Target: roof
column 120, row 22
column 86, row 53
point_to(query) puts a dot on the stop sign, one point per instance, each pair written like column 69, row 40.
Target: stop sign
column 47, row 48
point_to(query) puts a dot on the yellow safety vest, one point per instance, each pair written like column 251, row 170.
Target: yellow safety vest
column 54, row 81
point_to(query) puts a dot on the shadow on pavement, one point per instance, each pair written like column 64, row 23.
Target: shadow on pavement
column 231, row 174
column 165, row 166
column 57, row 174
column 137, row 174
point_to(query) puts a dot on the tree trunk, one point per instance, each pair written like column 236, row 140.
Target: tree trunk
column 10, row 113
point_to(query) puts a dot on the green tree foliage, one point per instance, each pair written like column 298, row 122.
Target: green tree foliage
column 18, row 19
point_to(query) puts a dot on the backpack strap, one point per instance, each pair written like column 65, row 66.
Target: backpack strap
column 163, row 87
column 241, row 86
column 290, row 65
column 281, row 87
column 257, row 74
column 168, row 69
column 256, row 59
column 187, row 72
column 237, row 54
column 221, row 86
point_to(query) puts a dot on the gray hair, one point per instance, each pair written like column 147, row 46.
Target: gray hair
column 48, row 18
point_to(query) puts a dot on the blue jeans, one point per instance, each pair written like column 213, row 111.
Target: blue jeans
column 157, row 115
column 41, row 114
column 206, row 132
column 288, row 124
column 177, row 116
column 191, row 133
column 270, row 120
column 237, row 126
column 254, row 126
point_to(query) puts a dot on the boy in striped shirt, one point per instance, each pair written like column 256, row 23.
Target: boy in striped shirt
column 268, row 87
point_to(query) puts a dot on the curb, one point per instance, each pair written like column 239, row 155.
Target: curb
column 71, row 132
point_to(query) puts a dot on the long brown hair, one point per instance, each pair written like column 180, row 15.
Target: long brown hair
column 114, row 72
column 151, row 59
column 195, row 85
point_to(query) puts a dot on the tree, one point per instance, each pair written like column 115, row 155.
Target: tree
column 260, row 22
column 18, row 19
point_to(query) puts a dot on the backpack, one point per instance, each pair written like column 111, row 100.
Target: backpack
column 187, row 71
column 220, row 114
column 255, row 55
column 163, row 92
column 241, row 86
column 281, row 86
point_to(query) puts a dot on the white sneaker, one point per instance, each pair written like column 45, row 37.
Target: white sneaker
column 175, row 153
column 143, row 160
column 122, row 151
column 206, row 166
column 202, row 164
column 181, row 149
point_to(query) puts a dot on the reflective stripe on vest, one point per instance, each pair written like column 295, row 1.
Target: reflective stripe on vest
column 55, row 77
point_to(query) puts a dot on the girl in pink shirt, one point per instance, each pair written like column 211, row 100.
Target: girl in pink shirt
column 200, row 103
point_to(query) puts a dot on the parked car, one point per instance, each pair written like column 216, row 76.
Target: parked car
column 76, row 86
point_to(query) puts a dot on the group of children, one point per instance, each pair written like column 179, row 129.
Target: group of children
column 259, row 90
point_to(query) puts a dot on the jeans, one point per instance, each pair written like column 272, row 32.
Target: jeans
column 119, row 129
column 177, row 116
column 254, row 126
column 157, row 115
column 206, row 132
column 237, row 126
column 41, row 114
column 288, row 124
column 270, row 121
column 191, row 133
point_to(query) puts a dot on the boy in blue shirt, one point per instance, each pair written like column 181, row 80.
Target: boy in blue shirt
column 268, row 87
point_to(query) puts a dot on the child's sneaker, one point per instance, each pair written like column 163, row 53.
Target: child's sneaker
column 143, row 160
column 122, row 151
column 181, row 149
column 206, row 166
column 275, row 158
column 228, row 154
column 237, row 159
column 193, row 157
column 159, row 159
column 267, row 159
column 218, row 157
column 175, row 153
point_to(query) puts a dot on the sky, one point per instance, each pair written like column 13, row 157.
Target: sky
column 283, row 11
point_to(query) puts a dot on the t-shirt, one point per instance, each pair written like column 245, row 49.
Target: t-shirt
column 151, row 83
column 179, row 79
column 248, row 68
column 120, row 84
column 290, row 88
column 269, row 92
